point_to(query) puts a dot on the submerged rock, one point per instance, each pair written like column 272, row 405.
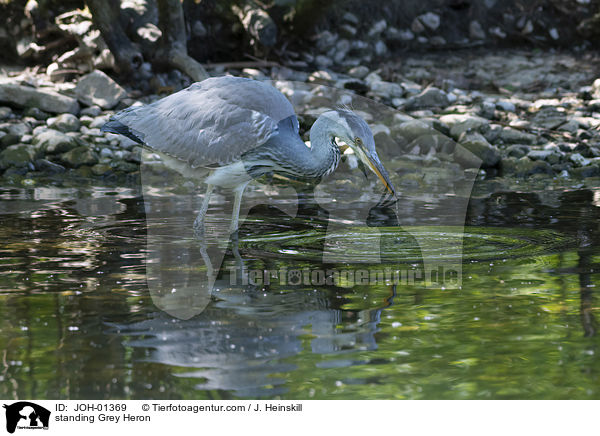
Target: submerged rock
column 79, row 156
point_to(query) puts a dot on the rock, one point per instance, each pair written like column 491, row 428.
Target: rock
column 477, row 144
column 579, row 160
column 430, row 20
column 549, row 117
column 358, row 72
column 18, row 155
column 428, row 98
column 48, row 166
column 44, row 99
column 476, row 31
column 386, row 89
column 497, row 32
column 5, row 113
column 53, row 142
column 348, row 30
column 96, row 88
column 9, row 139
column 461, row 123
column 101, row 169
column 92, row 111
column 126, row 167
column 19, row 129
column 513, row 136
column 377, row 28
column 99, row 121
column 554, row 33
column 587, row 171
column 525, row 167
column 570, row 126
column 323, row 61
column 351, row 18
column 36, row 113
column 506, row 106
column 79, row 156
column 517, row 150
column 416, row 26
column 393, row 34
column 65, row 123
column 488, row 110
column 550, row 156
column 596, row 88
column 380, row 48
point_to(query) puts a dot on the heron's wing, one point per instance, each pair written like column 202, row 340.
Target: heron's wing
column 213, row 121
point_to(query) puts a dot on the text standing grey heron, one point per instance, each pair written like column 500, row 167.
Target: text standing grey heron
column 240, row 129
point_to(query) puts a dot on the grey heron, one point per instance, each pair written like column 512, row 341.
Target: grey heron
column 240, row 129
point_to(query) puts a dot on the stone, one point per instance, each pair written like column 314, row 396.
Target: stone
column 430, row 20
column 570, row 126
column 96, row 88
column 5, row 113
column 587, row 171
column 517, row 150
column 49, row 166
column 53, row 142
column 377, row 28
column 45, row 99
column 92, row 111
column 36, row 113
column 524, row 167
column 79, row 156
column 9, row 139
column 476, row 31
column 497, row 32
column 101, row 169
column 323, row 61
column 549, row 117
column 477, row 144
column 386, row 89
column 550, row 156
column 513, row 136
column 18, row 155
column 506, row 106
column 358, row 72
column 380, row 48
column 596, row 88
column 461, row 123
column 579, row 160
column 65, row 123
column 429, row 98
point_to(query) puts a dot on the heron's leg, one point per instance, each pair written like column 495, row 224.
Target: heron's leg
column 199, row 221
column 237, row 202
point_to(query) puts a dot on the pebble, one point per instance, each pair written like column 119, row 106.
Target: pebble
column 64, row 123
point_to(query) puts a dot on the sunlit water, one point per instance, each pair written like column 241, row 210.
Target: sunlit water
column 78, row 318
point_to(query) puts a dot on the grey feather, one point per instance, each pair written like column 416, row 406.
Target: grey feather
column 213, row 121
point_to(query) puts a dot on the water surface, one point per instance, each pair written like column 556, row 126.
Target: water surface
column 78, row 319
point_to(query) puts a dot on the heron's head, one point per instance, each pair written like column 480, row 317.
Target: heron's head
column 355, row 132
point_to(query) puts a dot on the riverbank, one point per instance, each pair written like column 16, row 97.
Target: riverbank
column 530, row 117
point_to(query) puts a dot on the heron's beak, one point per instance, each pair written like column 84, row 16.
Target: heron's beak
column 372, row 161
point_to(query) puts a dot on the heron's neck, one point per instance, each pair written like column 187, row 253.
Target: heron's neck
column 325, row 153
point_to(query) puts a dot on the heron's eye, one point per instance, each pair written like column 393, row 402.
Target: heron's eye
column 358, row 141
